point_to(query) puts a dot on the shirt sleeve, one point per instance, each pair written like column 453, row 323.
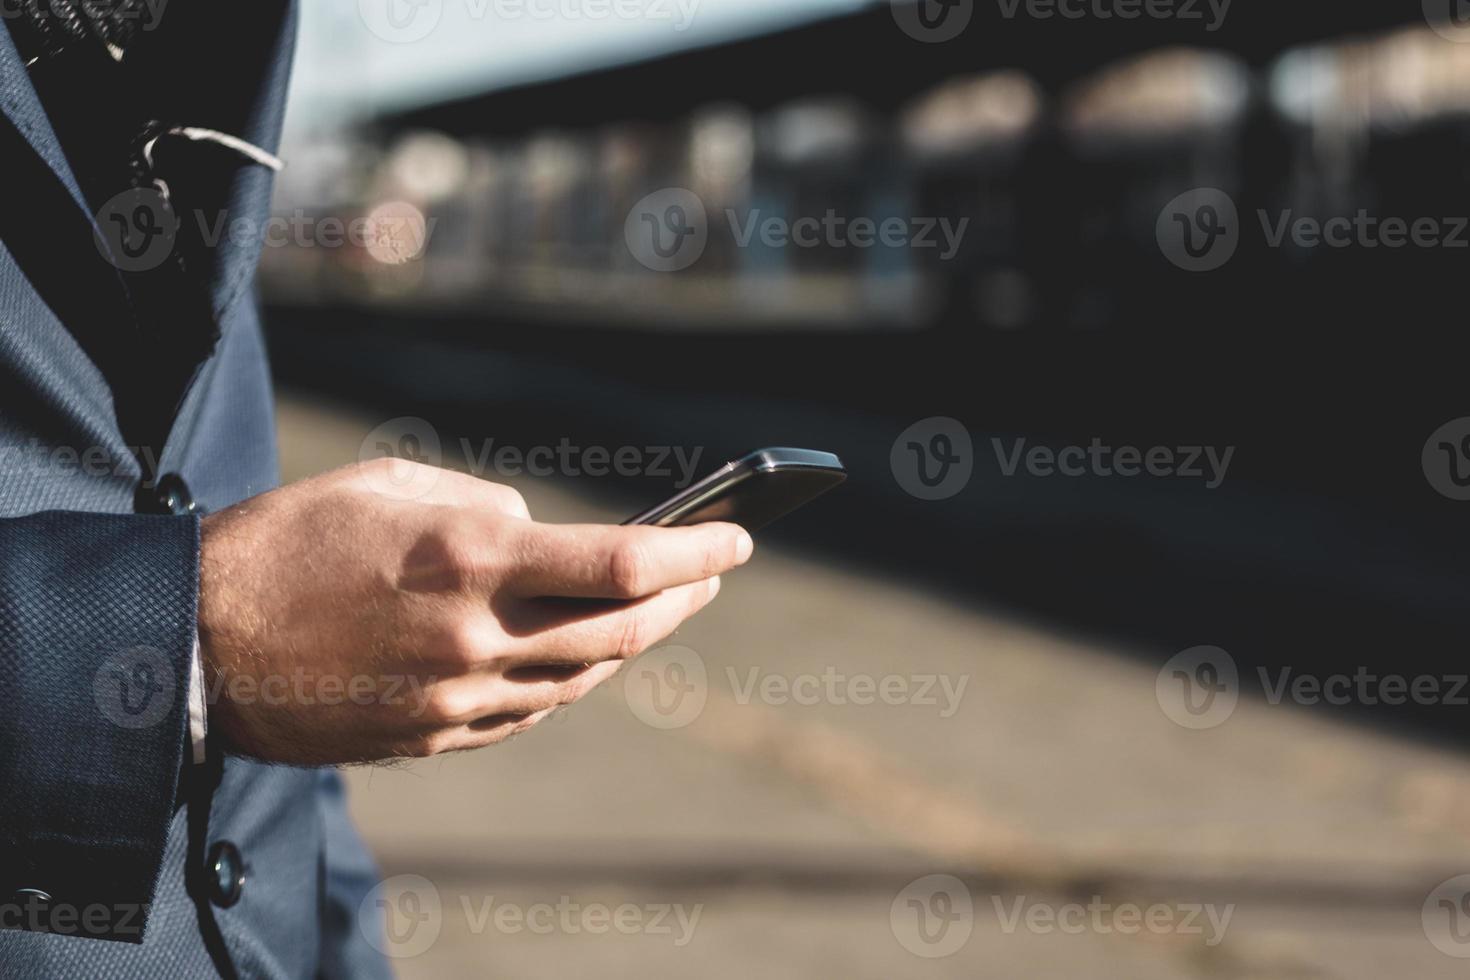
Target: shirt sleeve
column 198, row 710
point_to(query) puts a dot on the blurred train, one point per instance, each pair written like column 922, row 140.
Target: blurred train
column 517, row 200
column 1052, row 146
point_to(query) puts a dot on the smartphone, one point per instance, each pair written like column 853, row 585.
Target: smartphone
column 751, row 491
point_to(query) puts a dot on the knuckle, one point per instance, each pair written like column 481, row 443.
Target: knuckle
column 459, row 643
column 633, row 635
column 575, row 691
column 628, row 569
column 511, row 500
column 451, row 547
column 446, row 706
column 714, row 557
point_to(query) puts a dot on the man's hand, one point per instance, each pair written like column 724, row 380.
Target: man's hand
column 339, row 624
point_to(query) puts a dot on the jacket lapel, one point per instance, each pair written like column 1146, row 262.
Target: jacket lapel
column 22, row 107
column 49, row 213
column 57, row 288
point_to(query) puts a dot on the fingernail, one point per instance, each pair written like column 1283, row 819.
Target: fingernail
column 714, row 586
column 743, row 548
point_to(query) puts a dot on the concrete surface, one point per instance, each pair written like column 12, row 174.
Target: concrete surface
column 1051, row 785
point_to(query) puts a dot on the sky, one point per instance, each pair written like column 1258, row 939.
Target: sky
column 361, row 56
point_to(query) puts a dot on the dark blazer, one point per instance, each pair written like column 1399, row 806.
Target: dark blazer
column 119, row 857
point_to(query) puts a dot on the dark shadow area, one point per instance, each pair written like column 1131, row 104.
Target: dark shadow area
column 1277, row 576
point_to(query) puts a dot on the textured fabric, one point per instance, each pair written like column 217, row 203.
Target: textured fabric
column 44, row 28
column 97, row 601
column 88, row 601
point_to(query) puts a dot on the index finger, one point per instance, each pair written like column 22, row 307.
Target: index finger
column 597, row 561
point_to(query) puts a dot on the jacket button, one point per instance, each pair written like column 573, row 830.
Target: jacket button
column 226, row 874
column 34, row 908
column 169, row 496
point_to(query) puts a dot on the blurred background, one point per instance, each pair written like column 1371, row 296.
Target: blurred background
column 972, row 713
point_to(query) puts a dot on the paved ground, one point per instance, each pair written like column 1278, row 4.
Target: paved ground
column 746, row 802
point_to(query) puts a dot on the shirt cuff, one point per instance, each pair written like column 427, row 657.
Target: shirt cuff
column 198, row 718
